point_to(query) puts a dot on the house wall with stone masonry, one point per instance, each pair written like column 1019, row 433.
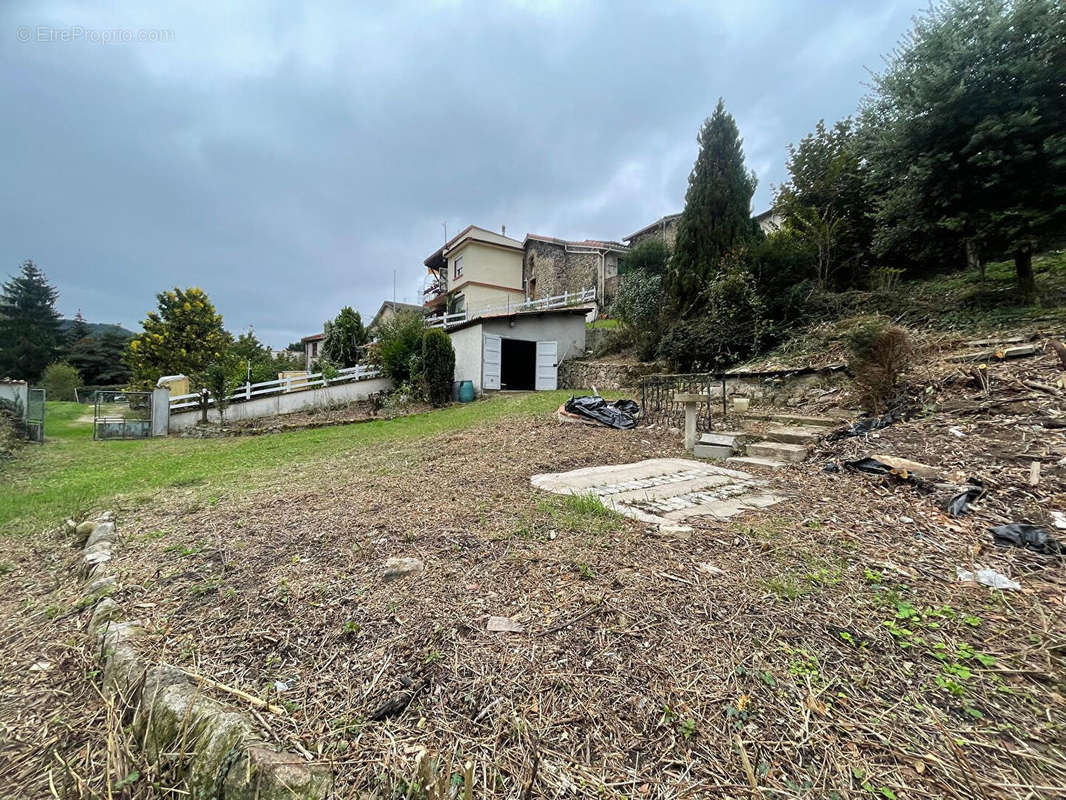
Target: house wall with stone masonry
column 549, row 269
column 666, row 231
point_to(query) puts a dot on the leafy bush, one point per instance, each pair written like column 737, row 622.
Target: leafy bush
column 879, row 355
column 344, row 338
column 732, row 329
column 649, row 256
column 639, row 305
column 438, row 366
column 614, row 340
column 398, row 352
column 60, row 380
column 220, row 379
column 783, row 266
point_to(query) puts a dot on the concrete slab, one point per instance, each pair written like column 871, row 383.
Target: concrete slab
column 664, row 491
column 755, row 461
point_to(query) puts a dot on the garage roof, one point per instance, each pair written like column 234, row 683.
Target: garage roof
column 516, row 314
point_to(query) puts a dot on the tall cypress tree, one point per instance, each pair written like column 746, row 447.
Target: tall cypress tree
column 30, row 335
column 717, row 215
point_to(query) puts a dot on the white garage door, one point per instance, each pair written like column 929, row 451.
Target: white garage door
column 547, row 376
column 491, row 358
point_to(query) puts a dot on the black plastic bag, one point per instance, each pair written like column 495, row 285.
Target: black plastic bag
column 958, row 504
column 621, row 414
column 1031, row 537
column 871, row 466
column 864, row 425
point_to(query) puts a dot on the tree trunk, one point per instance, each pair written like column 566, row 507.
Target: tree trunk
column 974, row 260
column 1023, row 268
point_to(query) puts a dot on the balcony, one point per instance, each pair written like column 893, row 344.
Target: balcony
column 435, row 289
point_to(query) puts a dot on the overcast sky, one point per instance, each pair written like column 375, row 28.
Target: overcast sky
column 288, row 158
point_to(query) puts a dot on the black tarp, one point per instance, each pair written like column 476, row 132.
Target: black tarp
column 621, row 414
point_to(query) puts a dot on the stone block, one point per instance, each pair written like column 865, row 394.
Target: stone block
column 778, row 451
column 715, row 451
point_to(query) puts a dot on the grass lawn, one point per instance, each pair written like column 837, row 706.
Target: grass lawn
column 71, row 473
column 606, row 324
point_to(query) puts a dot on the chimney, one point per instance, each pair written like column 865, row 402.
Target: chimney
column 503, row 230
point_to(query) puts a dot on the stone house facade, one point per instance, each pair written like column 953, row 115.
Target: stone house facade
column 664, row 228
column 553, row 266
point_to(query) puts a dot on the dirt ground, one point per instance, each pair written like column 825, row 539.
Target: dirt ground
column 824, row 647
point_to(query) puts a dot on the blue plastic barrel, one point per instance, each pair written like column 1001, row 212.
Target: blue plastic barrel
column 466, row 391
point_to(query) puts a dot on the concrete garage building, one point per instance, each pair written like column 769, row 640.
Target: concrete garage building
column 520, row 351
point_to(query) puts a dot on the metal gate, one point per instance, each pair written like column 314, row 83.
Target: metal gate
column 659, row 405
column 35, row 415
column 122, row 415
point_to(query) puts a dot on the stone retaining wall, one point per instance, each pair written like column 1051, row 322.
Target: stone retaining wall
column 584, row 373
column 217, row 751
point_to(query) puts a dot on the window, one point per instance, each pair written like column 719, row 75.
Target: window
column 611, row 267
column 314, row 349
column 458, row 262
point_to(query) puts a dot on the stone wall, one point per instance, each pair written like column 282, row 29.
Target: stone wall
column 665, row 230
column 556, row 271
column 584, row 373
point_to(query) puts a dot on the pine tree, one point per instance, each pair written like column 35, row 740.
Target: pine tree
column 99, row 359
column 30, row 335
column 717, row 215
column 965, row 130
column 79, row 329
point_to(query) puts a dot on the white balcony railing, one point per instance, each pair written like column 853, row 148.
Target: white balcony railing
column 558, row 301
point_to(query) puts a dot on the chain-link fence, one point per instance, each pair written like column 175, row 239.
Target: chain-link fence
column 122, row 415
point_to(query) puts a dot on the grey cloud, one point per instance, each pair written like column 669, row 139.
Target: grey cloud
column 289, row 158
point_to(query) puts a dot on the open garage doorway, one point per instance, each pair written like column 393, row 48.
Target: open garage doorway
column 518, row 364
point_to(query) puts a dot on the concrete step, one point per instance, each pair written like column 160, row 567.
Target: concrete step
column 728, row 438
column 718, row 452
column 794, row 434
column 800, row 419
column 755, row 461
column 779, row 451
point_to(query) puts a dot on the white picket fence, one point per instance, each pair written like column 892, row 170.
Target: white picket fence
column 558, row 301
column 282, row 386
